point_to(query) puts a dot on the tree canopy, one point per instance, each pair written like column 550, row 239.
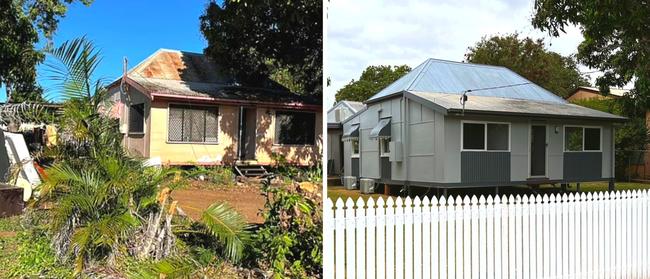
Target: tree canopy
column 530, row 59
column 21, row 24
column 616, row 38
column 372, row 80
column 256, row 40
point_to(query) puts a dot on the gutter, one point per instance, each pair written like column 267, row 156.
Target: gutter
column 459, row 112
column 297, row 106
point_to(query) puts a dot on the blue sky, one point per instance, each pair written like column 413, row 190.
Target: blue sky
column 134, row 29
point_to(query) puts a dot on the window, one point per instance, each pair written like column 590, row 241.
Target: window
column 193, row 124
column 486, row 136
column 573, row 139
column 581, row 139
column 384, row 146
column 473, row 136
column 295, row 127
column 355, row 147
column 136, row 118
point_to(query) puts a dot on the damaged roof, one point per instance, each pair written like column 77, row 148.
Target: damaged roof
column 450, row 103
column 186, row 75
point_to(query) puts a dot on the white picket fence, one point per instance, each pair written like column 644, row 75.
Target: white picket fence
column 603, row 235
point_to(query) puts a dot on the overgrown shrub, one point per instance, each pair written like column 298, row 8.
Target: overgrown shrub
column 283, row 168
column 221, row 176
column 290, row 241
column 29, row 254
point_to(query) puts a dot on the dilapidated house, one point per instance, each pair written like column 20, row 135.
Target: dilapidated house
column 181, row 108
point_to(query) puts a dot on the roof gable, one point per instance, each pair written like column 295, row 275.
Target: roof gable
column 448, row 77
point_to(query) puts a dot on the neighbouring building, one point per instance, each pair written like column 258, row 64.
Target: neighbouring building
column 338, row 113
column 180, row 107
column 509, row 131
column 585, row 92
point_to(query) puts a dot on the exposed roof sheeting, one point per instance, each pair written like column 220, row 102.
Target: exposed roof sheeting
column 178, row 74
column 382, row 130
column 493, row 105
column 455, row 77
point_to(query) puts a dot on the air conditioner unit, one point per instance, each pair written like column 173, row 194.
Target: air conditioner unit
column 367, row 185
column 350, row 182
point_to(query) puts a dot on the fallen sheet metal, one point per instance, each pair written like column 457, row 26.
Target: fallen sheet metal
column 18, row 154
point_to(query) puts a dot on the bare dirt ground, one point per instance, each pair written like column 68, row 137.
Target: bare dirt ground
column 7, row 234
column 246, row 199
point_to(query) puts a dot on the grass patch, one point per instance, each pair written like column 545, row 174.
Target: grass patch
column 10, row 224
column 27, row 253
column 340, row 192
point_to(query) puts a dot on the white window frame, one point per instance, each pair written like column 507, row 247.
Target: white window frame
column 382, row 143
column 485, row 137
column 355, row 155
column 600, row 132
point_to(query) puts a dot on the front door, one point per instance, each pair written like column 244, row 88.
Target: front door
column 247, row 131
column 538, row 150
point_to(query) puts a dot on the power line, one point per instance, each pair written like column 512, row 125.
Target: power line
column 495, row 87
column 463, row 97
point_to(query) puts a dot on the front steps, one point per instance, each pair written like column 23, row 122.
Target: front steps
column 251, row 170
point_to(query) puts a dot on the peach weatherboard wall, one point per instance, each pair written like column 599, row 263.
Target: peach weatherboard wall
column 225, row 150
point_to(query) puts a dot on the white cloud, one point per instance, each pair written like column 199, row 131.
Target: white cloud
column 370, row 32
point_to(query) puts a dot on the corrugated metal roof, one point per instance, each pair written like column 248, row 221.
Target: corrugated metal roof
column 485, row 104
column 181, row 73
column 355, row 106
column 440, row 76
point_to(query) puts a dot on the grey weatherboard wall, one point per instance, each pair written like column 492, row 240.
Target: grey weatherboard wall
column 433, row 157
column 385, row 169
column 582, row 165
column 484, row 167
column 354, row 166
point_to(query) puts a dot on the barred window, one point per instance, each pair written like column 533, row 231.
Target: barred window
column 295, row 127
column 136, row 118
column 193, row 124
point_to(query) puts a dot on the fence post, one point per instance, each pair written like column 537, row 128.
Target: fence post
column 328, row 238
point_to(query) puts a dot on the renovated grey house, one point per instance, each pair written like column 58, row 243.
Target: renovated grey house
column 341, row 111
column 449, row 124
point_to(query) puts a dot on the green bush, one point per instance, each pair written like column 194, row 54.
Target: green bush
column 219, row 175
column 29, row 254
column 283, row 168
column 290, row 241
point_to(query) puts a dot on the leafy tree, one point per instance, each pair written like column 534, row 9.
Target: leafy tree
column 530, row 59
column 256, row 39
column 616, row 39
column 21, row 21
column 372, row 80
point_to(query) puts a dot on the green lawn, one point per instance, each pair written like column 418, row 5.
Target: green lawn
column 335, row 192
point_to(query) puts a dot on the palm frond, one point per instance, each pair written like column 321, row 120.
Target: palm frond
column 229, row 227
column 24, row 112
column 76, row 62
column 170, row 268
